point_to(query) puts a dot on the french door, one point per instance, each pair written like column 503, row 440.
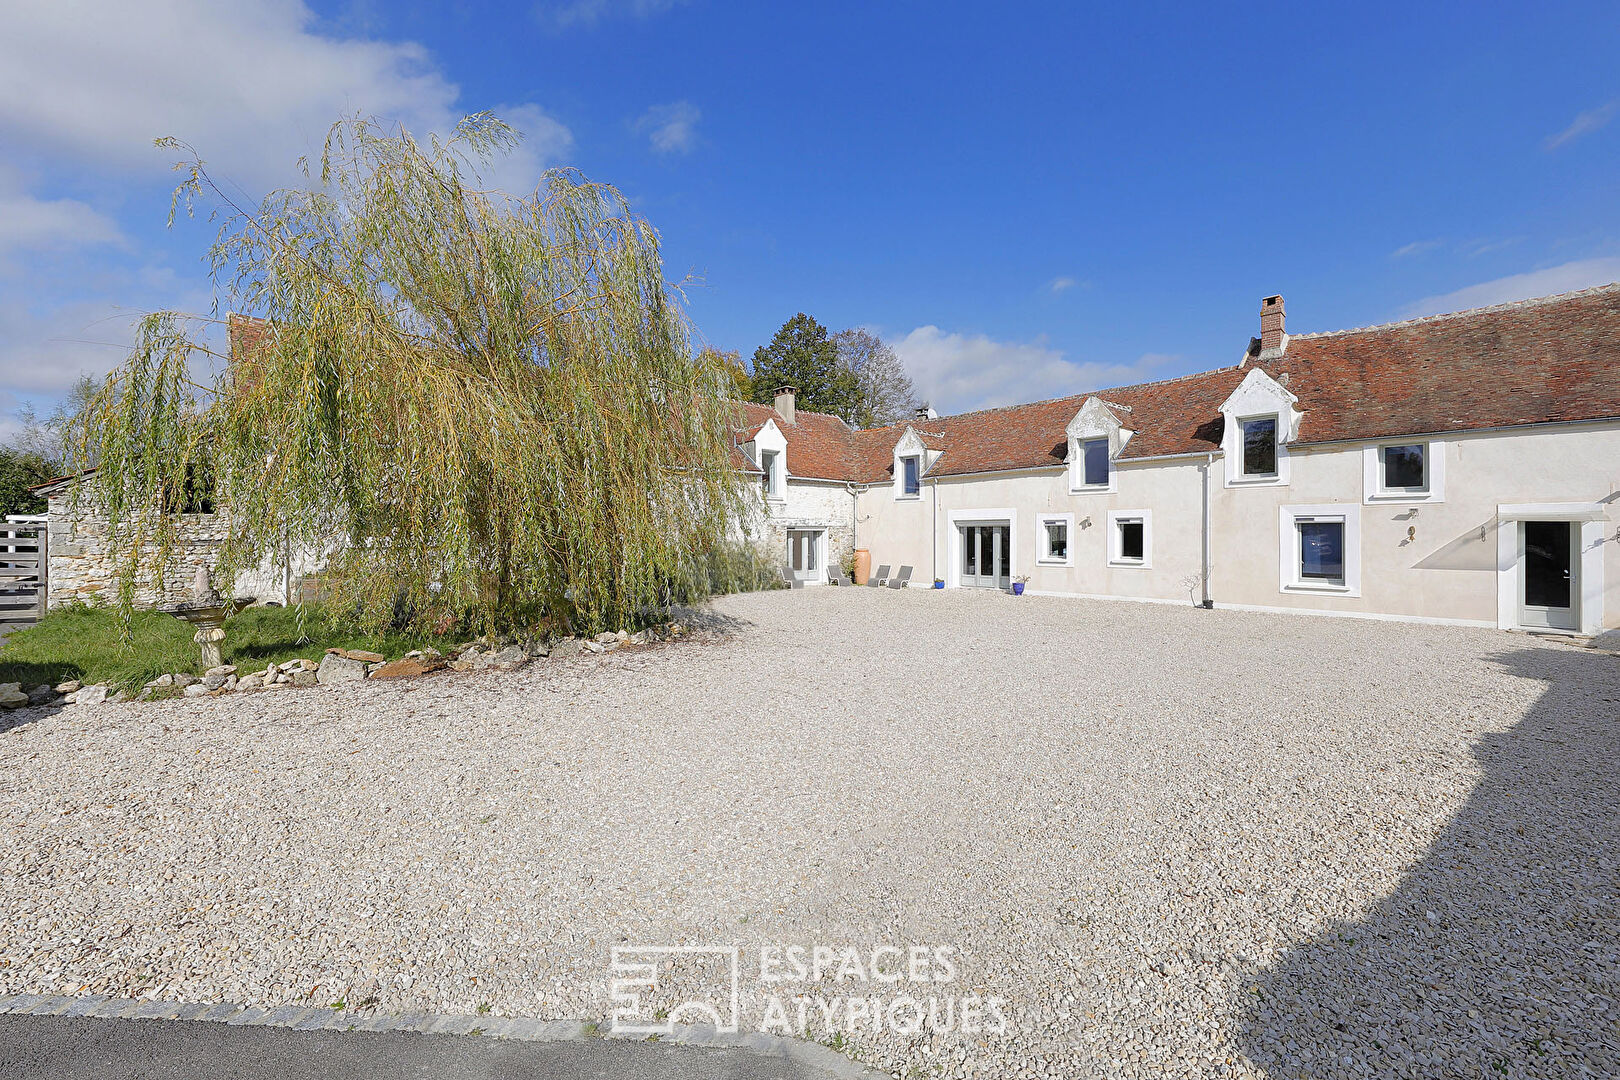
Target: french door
column 986, row 556
column 804, row 553
column 1548, row 572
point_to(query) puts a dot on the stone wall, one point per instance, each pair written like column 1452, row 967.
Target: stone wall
column 808, row 506
column 82, row 561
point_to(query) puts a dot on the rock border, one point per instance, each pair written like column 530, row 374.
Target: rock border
column 338, row 665
column 523, row 1029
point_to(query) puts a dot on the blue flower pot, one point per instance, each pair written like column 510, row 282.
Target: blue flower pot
column 1018, row 588
column 939, row 584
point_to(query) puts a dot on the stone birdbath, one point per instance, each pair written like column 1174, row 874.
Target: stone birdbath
column 207, row 611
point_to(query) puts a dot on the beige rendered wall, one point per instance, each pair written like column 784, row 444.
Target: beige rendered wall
column 1446, row 572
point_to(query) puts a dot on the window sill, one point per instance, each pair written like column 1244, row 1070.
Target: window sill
column 1130, row 564
column 1398, row 497
column 908, row 498
column 1054, row 562
column 1093, row 490
column 1255, row 481
column 1338, row 590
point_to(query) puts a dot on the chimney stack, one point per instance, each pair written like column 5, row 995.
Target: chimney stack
column 1271, row 327
column 926, row 411
column 784, row 403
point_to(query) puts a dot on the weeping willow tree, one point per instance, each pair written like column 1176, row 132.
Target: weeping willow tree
column 491, row 400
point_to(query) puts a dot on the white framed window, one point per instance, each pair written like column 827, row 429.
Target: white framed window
column 1258, row 421
column 771, row 473
column 1130, row 539
column 1405, row 471
column 1054, row 539
column 1257, row 447
column 1092, row 470
column 911, row 476
column 1320, row 549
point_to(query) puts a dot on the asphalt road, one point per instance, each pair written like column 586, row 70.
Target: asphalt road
column 60, row 1048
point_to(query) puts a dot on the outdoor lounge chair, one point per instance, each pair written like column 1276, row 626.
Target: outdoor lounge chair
column 835, row 576
column 878, row 578
column 900, row 580
column 790, row 580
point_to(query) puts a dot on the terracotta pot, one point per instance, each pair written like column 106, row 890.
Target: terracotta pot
column 863, row 565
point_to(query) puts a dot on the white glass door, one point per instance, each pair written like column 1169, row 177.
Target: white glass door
column 804, row 554
column 986, row 556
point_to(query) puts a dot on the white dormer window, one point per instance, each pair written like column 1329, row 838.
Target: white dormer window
column 1096, row 436
column 1409, row 471
column 770, row 480
column 911, row 460
column 1260, row 419
column 769, row 448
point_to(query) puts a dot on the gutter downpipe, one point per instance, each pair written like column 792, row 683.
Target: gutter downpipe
column 1203, row 577
column 933, row 517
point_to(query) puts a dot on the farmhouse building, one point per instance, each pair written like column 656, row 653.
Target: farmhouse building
column 1461, row 468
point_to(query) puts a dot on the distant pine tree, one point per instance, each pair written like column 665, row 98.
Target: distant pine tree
column 803, row 356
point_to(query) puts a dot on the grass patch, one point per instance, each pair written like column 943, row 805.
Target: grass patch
column 79, row 642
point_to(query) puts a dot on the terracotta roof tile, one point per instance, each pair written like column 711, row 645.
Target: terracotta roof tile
column 817, row 443
column 1552, row 359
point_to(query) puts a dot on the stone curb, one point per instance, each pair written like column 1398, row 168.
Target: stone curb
column 300, row 1018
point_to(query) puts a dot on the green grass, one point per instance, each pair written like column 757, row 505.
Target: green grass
column 83, row 643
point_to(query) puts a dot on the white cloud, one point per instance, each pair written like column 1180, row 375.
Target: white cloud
column 1584, row 124
column 959, row 372
column 671, row 128
column 1416, row 247
column 51, row 225
column 1059, row 285
column 1567, row 277
column 249, row 85
column 588, row 13
column 44, row 354
column 85, row 88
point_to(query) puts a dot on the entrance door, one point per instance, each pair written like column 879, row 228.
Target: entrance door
column 1547, row 575
column 803, row 549
column 986, row 556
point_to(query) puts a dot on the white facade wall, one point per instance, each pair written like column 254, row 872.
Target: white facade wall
column 1453, row 568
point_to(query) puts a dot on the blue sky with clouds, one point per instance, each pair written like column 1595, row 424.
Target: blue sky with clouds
column 1027, row 200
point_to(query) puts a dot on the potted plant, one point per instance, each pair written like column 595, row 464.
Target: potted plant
column 939, row 583
column 1018, row 585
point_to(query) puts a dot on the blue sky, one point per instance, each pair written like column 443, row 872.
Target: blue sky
column 1026, row 200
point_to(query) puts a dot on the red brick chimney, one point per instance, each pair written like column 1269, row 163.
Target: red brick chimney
column 1271, row 326
column 784, row 403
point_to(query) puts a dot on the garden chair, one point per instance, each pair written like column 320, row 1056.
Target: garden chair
column 835, row 575
column 878, row 578
column 900, row 580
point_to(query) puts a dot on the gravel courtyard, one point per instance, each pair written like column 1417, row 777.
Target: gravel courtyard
column 1176, row 842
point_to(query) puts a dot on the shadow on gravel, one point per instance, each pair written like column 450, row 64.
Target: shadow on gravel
column 16, row 718
column 1497, row 955
column 706, row 618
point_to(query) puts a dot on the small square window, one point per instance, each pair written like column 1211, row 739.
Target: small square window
column 1095, row 453
column 1321, row 551
column 1405, row 467
column 1057, row 540
column 1260, row 446
column 1131, row 537
column 913, row 475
